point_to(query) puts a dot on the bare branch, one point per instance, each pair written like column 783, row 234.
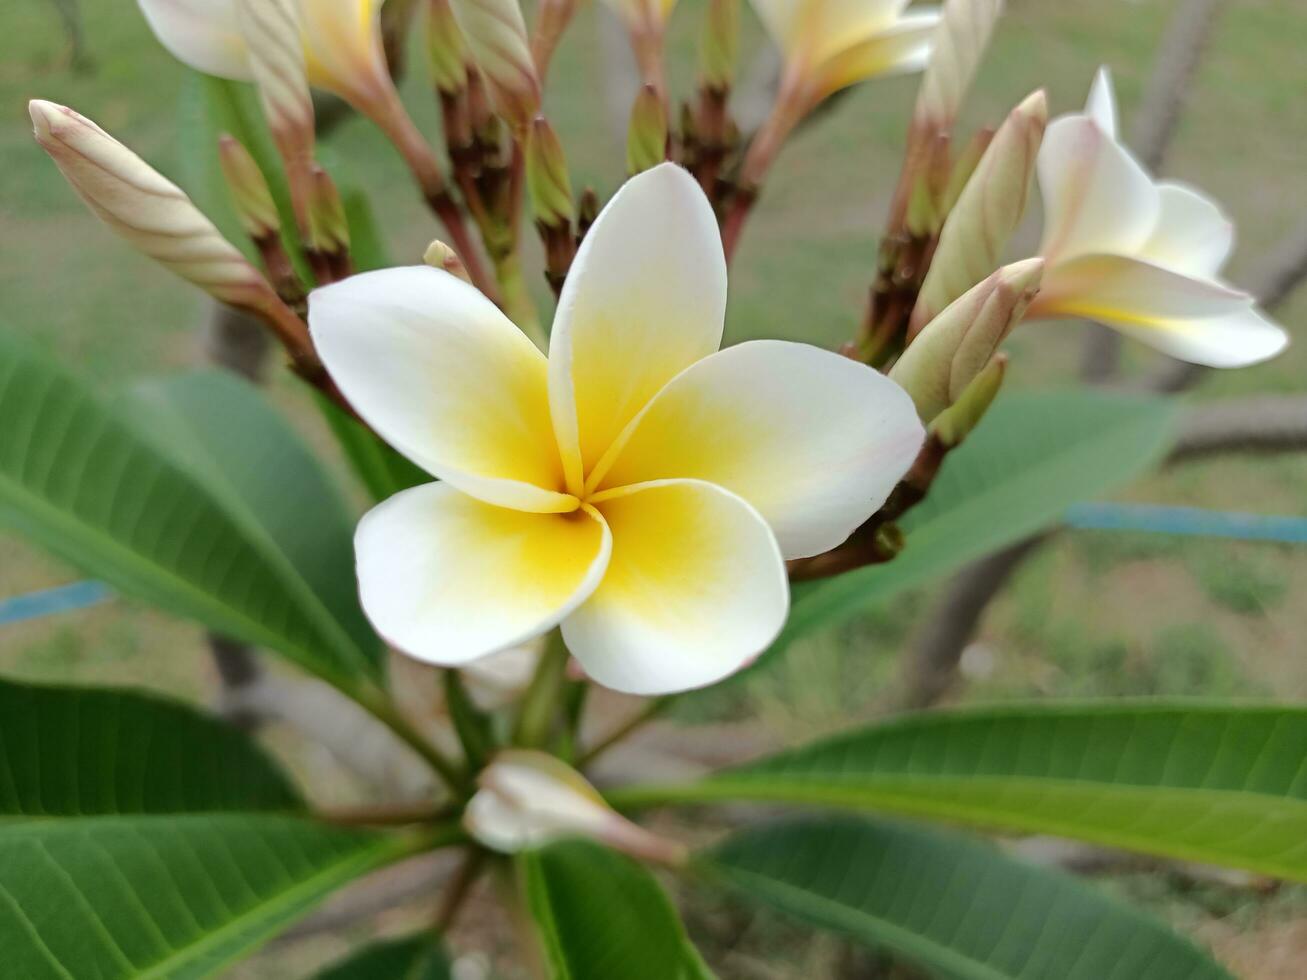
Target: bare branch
column 1178, row 56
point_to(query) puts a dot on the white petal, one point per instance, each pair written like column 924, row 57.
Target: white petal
column 905, row 45
column 818, row 28
column 1228, row 341
column 695, row 589
column 1097, row 198
column 1117, row 289
column 813, row 440
column 204, row 34
column 646, row 298
column 1101, row 106
column 341, row 42
column 446, row 379
column 446, row 578
column 1192, row 236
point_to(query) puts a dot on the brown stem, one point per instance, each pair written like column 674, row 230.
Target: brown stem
column 458, row 889
column 386, row 814
column 711, row 125
column 552, row 18
column 638, row 720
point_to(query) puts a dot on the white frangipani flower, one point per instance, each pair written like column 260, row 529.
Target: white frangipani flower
column 637, row 486
column 527, row 799
column 839, row 42
column 1139, row 255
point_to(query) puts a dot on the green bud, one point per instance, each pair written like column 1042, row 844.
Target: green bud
column 546, row 175
column 955, row 347
column 952, row 426
column 249, row 189
column 963, row 167
column 446, row 49
column 646, row 139
column 328, row 226
column 719, row 46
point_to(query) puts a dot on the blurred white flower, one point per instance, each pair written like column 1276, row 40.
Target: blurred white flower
column 1139, row 255
column 527, row 799
column 637, row 486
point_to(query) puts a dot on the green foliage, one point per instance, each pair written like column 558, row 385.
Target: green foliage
column 83, row 480
column 599, row 915
column 1163, row 779
column 1034, row 456
column 69, row 752
column 382, row 470
column 141, row 839
column 411, row 958
column 957, row 907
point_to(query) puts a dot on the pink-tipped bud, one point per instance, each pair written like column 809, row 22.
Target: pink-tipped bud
column 140, row 205
column 954, row 348
column 646, row 138
column 528, row 799
column 249, row 190
column 987, row 211
column 440, row 256
column 546, row 175
column 496, row 35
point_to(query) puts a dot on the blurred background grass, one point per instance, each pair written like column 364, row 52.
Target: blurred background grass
column 1094, row 614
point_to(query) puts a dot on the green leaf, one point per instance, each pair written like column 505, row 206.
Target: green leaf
column 411, row 958
column 165, row 896
column 382, row 470
column 71, row 752
column 957, row 907
column 243, row 452
column 600, row 915
column 82, row 480
column 1032, row 457
column 1216, row 784
column 138, row 839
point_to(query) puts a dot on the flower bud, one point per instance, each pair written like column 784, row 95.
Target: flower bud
column 272, row 32
column 440, row 256
column 527, row 799
column 987, row 212
column 140, row 205
column 546, row 175
column 956, row 346
column 496, row 35
column 952, row 426
column 249, row 190
column 329, row 226
column 960, row 41
column 646, row 139
column 963, row 168
column 719, row 45
column 445, row 48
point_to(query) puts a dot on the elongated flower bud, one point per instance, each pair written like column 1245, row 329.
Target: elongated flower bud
column 496, row 35
column 960, row 42
column 272, row 31
column 546, row 175
column 719, row 45
column 956, row 345
column 157, row 218
column 952, row 426
column 249, row 190
column 445, row 48
column 330, row 227
column 987, row 212
column 528, row 799
column 646, row 138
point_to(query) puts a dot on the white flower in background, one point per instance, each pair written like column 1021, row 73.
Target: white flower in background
column 637, row 486
column 1139, row 255
column 839, row 42
column 527, row 799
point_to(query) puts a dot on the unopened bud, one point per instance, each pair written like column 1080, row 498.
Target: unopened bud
column 987, row 212
column 954, row 348
column 952, row 426
column 587, row 210
column 962, row 169
column 330, row 225
column 445, row 48
column 440, row 256
column 960, row 41
column 719, row 46
column 249, row 189
column 527, row 799
column 546, row 175
column 646, row 139
column 496, row 35
column 140, row 205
